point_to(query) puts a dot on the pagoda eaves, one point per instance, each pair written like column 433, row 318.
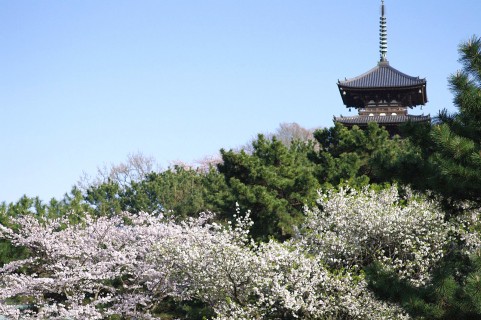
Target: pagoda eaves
column 383, row 84
column 384, row 120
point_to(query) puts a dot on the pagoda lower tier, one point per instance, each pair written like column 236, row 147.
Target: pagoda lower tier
column 390, row 122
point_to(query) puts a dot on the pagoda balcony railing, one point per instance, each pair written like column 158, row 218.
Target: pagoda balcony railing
column 384, row 108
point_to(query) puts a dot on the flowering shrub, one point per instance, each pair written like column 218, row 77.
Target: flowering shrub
column 288, row 284
column 468, row 228
column 85, row 271
column 356, row 228
column 242, row 280
column 126, row 265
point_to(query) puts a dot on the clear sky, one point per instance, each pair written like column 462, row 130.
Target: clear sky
column 84, row 83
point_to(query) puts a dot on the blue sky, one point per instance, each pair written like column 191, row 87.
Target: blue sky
column 85, row 83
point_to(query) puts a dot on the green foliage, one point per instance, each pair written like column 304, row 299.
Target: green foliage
column 388, row 286
column 10, row 253
column 454, row 292
column 170, row 309
column 176, row 190
column 451, row 160
column 105, row 198
column 275, row 182
column 71, row 202
column 458, row 160
column 179, row 191
column 361, row 156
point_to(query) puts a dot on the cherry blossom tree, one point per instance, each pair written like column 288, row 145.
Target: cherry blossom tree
column 89, row 270
column 408, row 235
column 125, row 266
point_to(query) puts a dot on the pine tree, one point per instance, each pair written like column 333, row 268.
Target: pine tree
column 362, row 156
column 450, row 160
column 275, row 182
column 457, row 138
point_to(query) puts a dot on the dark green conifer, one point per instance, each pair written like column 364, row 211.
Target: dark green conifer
column 457, row 138
column 275, row 182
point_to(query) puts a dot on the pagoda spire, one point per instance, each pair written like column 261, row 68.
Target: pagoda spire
column 382, row 34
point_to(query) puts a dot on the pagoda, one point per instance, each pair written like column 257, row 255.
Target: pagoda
column 382, row 94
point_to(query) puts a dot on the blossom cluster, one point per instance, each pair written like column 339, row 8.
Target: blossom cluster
column 127, row 265
column 244, row 280
column 407, row 235
column 76, row 270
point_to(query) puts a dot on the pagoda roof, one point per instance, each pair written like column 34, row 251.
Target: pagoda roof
column 380, row 84
column 382, row 76
column 387, row 119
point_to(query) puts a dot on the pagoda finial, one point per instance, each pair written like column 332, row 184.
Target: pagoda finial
column 382, row 34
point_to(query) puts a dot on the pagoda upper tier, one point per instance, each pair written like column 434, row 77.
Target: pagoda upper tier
column 384, row 86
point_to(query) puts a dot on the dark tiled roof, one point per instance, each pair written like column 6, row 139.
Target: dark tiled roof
column 388, row 119
column 382, row 76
